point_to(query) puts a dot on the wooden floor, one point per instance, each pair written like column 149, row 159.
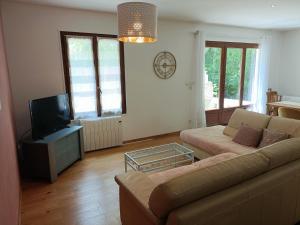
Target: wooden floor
column 84, row 194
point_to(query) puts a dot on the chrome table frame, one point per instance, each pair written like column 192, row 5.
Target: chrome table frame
column 159, row 158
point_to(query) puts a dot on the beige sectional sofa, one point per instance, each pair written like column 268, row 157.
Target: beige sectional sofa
column 235, row 186
column 218, row 139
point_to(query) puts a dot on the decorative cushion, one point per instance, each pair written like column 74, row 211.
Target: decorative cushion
column 271, row 137
column 248, row 136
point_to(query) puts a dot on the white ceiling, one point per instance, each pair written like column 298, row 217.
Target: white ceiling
column 285, row 14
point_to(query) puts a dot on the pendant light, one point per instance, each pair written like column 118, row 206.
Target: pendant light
column 137, row 22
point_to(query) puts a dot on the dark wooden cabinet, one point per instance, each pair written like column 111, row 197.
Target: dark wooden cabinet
column 47, row 157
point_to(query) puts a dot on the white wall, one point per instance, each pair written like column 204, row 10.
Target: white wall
column 289, row 76
column 275, row 60
column 154, row 106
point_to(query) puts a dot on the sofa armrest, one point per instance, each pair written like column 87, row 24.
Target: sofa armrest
column 135, row 189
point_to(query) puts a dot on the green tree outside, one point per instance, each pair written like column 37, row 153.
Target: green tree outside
column 233, row 71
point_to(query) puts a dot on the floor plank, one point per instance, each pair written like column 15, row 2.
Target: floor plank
column 84, row 194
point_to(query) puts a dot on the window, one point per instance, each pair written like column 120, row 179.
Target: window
column 230, row 69
column 94, row 74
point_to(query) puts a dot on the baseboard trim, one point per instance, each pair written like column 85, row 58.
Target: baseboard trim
column 151, row 137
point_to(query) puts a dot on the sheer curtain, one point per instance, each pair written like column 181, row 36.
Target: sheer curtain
column 199, row 119
column 261, row 78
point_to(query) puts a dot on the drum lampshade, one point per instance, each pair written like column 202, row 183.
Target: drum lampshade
column 137, row 22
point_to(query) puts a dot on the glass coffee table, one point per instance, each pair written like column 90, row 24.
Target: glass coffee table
column 159, row 158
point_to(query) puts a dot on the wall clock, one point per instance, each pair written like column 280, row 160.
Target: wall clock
column 164, row 65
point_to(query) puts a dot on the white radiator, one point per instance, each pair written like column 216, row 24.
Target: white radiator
column 102, row 133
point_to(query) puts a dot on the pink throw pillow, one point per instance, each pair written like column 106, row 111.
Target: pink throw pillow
column 271, row 137
column 248, row 136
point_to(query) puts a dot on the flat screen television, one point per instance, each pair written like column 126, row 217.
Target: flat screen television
column 49, row 115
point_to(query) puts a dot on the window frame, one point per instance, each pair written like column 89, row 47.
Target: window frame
column 94, row 37
column 224, row 46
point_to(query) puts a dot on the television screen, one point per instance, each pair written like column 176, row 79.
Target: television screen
column 49, row 115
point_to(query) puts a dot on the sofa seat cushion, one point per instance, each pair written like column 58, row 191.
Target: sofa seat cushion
column 164, row 176
column 212, row 140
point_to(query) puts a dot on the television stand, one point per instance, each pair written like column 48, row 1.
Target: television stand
column 47, row 157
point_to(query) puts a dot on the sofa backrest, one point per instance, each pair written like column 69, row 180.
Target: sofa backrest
column 242, row 116
column 289, row 126
column 196, row 185
column 281, row 152
column 203, row 182
column 272, row 198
